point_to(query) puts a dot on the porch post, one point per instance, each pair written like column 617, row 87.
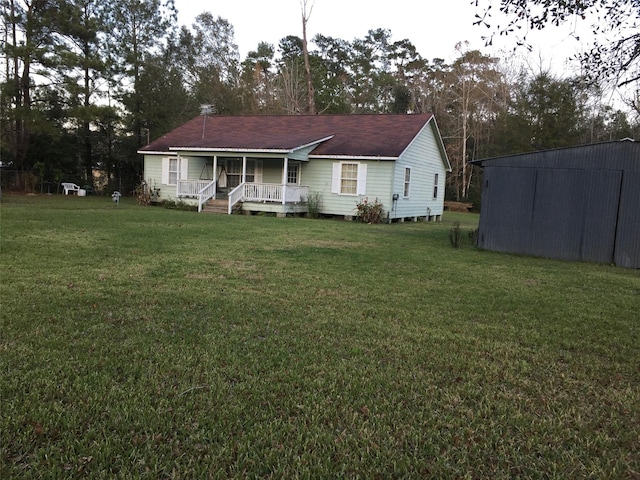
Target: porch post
column 215, row 171
column 285, row 168
column 244, row 169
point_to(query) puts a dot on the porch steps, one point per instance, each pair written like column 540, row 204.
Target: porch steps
column 219, row 206
column 216, row 206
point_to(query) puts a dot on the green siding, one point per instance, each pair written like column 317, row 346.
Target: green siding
column 424, row 158
column 153, row 176
column 317, row 174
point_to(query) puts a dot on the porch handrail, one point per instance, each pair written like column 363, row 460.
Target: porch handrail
column 205, row 193
column 267, row 192
column 190, row 188
column 236, row 195
column 263, row 192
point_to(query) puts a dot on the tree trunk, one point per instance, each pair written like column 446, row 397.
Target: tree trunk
column 307, row 65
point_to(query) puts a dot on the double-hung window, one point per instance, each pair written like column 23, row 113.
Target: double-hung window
column 174, row 168
column 435, row 186
column 407, row 182
column 349, row 178
column 173, row 171
column 293, row 173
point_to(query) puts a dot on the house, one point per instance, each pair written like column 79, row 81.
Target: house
column 279, row 164
column 579, row 203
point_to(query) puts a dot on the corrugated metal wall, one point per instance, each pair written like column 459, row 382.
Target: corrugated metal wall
column 627, row 246
column 580, row 214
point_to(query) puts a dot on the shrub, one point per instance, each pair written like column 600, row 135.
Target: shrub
column 369, row 212
column 473, row 237
column 314, row 205
column 455, row 235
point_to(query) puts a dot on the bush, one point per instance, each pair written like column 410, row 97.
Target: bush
column 369, row 212
column 314, row 205
column 455, row 235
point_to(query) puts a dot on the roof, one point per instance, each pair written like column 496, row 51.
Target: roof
column 613, row 155
column 333, row 135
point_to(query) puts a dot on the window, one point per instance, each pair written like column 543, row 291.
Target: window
column 435, row 186
column 174, row 168
column 254, row 171
column 407, row 181
column 349, row 178
column 293, row 170
column 173, row 171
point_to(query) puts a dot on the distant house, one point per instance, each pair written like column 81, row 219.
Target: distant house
column 278, row 163
column 579, row 203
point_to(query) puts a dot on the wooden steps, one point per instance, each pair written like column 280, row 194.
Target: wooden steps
column 216, row 206
column 220, row 206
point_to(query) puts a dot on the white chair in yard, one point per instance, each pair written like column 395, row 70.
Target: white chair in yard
column 70, row 187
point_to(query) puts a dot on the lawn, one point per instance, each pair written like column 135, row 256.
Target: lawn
column 142, row 342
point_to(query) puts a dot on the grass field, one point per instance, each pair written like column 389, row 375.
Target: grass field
column 140, row 342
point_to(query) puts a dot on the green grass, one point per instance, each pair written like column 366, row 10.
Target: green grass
column 140, row 342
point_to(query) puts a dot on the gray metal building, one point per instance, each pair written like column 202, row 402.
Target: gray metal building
column 578, row 203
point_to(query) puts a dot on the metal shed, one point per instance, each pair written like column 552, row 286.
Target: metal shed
column 578, row 203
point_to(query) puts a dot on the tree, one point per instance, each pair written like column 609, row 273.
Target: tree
column 545, row 113
column 306, row 14
column 333, row 56
column 210, row 60
column 81, row 66
column 472, row 84
column 137, row 29
column 29, row 38
column 258, row 83
column 617, row 59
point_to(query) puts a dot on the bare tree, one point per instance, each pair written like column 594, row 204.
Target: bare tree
column 306, row 14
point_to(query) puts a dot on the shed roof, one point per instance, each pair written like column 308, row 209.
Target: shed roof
column 614, row 155
column 333, row 135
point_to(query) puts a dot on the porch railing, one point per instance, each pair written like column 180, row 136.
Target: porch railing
column 207, row 192
column 236, row 195
column 262, row 192
column 191, row 188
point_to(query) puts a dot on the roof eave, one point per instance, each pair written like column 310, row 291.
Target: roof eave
column 230, row 150
column 353, row 157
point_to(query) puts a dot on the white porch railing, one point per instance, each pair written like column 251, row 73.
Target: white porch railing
column 262, row 192
column 191, row 188
column 236, row 195
column 207, row 192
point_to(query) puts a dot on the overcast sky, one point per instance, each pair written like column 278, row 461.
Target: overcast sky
column 433, row 26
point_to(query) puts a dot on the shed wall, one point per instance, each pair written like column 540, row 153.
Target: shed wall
column 563, row 213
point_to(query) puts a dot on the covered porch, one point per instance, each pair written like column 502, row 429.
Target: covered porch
column 267, row 184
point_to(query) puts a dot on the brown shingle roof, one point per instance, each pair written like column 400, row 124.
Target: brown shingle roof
column 350, row 135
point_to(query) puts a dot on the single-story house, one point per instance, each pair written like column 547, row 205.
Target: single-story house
column 279, row 164
column 578, row 203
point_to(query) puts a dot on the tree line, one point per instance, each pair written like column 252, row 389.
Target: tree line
column 87, row 82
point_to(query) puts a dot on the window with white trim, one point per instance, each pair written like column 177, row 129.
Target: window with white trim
column 435, row 186
column 174, row 168
column 293, row 173
column 173, row 171
column 349, row 178
column 407, row 181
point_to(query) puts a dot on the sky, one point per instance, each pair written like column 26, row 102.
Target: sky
column 433, row 26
